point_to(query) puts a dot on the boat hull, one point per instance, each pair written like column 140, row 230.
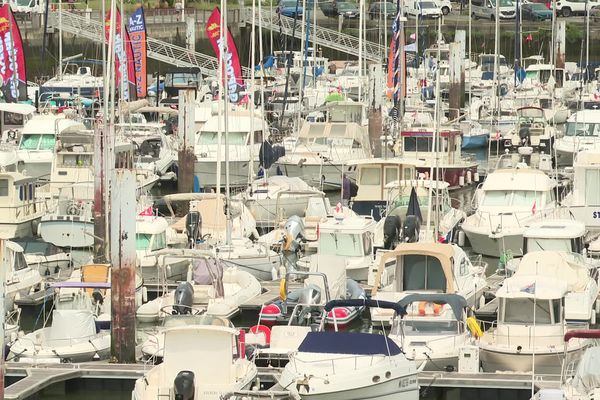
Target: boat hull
column 474, row 141
column 389, row 390
column 67, row 232
column 545, row 362
column 259, row 267
column 17, row 230
column 452, row 174
column 494, row 245
column 323, row 177
column 205, row 172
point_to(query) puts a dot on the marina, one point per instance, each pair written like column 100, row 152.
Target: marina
column 299, row 199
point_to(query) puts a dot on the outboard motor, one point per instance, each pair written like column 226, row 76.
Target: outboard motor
column 184, row 385
column 193, row 227
column 391, row 231
column 184, row 299
column 411, row 228
column 294, row 231
column 524, row 136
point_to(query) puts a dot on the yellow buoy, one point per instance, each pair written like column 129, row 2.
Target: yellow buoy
column 474, row 327
column 282, row 289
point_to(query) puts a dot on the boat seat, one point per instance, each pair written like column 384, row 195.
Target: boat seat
column 310, row 227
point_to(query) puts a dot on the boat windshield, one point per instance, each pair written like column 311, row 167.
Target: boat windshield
column 186, row 320
column 516, row 198
column 37, row 142
column 582, row 129
column 430, row 327
column 538, row 244
column 342, row 244
column 146, row 241
column 521, row 311
column 234, row 138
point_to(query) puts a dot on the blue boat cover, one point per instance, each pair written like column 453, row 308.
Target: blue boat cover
column 400, row 310
column 354, row 343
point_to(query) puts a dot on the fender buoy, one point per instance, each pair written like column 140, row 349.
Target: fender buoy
column 474, row 327
column 282, row 289
column 242, row 343
column 436, row 308
column 262, row 329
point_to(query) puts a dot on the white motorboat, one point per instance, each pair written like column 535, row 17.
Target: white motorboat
column 212, row 287
column 530, row 326
column 243, row 148
column 582, row 202
column 73, row 80
column 13, row 116
column 38, row 141
column 582, row 133
column 323, row 150
column 425, row 268
column 74, row 336
column 351, row 239
column 434, row 329
column 51, row 262
column 531, row 130
column 185, row 372
column 153, row 149
column 21, row 279
column 152, row 235
column 71, row 224
column 509, row 200
column 275, row 198
column 21, row 209
column 153, row 347
column 350, row 366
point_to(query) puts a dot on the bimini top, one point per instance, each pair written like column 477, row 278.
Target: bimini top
column 444, row 252
column 352, row 343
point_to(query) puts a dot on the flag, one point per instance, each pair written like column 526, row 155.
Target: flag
column 529, row 289
column 534, row 208
column 529, row 38
column 413, row 205
column 12, row 60
column 137, row 33
column 413, row 36
column 148, row 212
column 124, row 63
column 232, row 71
column 497, row 135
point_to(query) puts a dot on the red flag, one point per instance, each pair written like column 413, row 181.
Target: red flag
column 124, row 61
column 148, row 212
column 12, row 59
column 232, row 70
column 534, row 208
column 529, row 38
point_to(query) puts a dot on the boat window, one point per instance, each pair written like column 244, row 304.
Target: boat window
column 340, row 244
column 521, row 311
column 423, row 273
column 417, row 144
column 428, row 327
column 367, row 244
column 581, row 129
column 464, row 268
column 31, row 188
column 21, row 196
column 235, row 138
column 13, row 118
column 527, row 198
column 391, row 174
column 3, row 187
column 76, row 160
column 160, row 241
column 556, row 310
column 370, row 176
column 142, row 241
column 496, row 198
column 592, row 194
column 20, row 262
column 258, row 137
column 29, row 142
column 47, row 142
column 408, row 173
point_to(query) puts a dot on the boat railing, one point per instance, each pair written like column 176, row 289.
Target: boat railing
column 519, row 219
column 39, row 340
column 15, row 212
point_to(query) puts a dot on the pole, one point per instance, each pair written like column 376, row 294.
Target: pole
column 2, row 318
column 60, row 54
column 228, row 226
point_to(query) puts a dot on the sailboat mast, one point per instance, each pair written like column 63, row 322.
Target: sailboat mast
column 60, row 54
column 224, row 38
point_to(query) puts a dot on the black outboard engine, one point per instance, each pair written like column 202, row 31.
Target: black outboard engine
column 391, row 231
column 184, row 299
column 411, row 228
column 524, row 136
column 193, row 227
column 184, row 385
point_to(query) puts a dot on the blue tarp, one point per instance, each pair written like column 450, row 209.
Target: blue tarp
column 354, row 343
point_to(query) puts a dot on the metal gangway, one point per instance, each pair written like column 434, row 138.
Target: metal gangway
column 325, row 37
column 178, row 56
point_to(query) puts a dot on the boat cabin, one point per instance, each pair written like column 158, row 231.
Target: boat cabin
column 584, row 200
column 419, row 143
column 559, row 235
column 151, row 234
column 13, row 116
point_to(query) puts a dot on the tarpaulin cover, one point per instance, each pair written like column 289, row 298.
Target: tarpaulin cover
column 354, row 343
